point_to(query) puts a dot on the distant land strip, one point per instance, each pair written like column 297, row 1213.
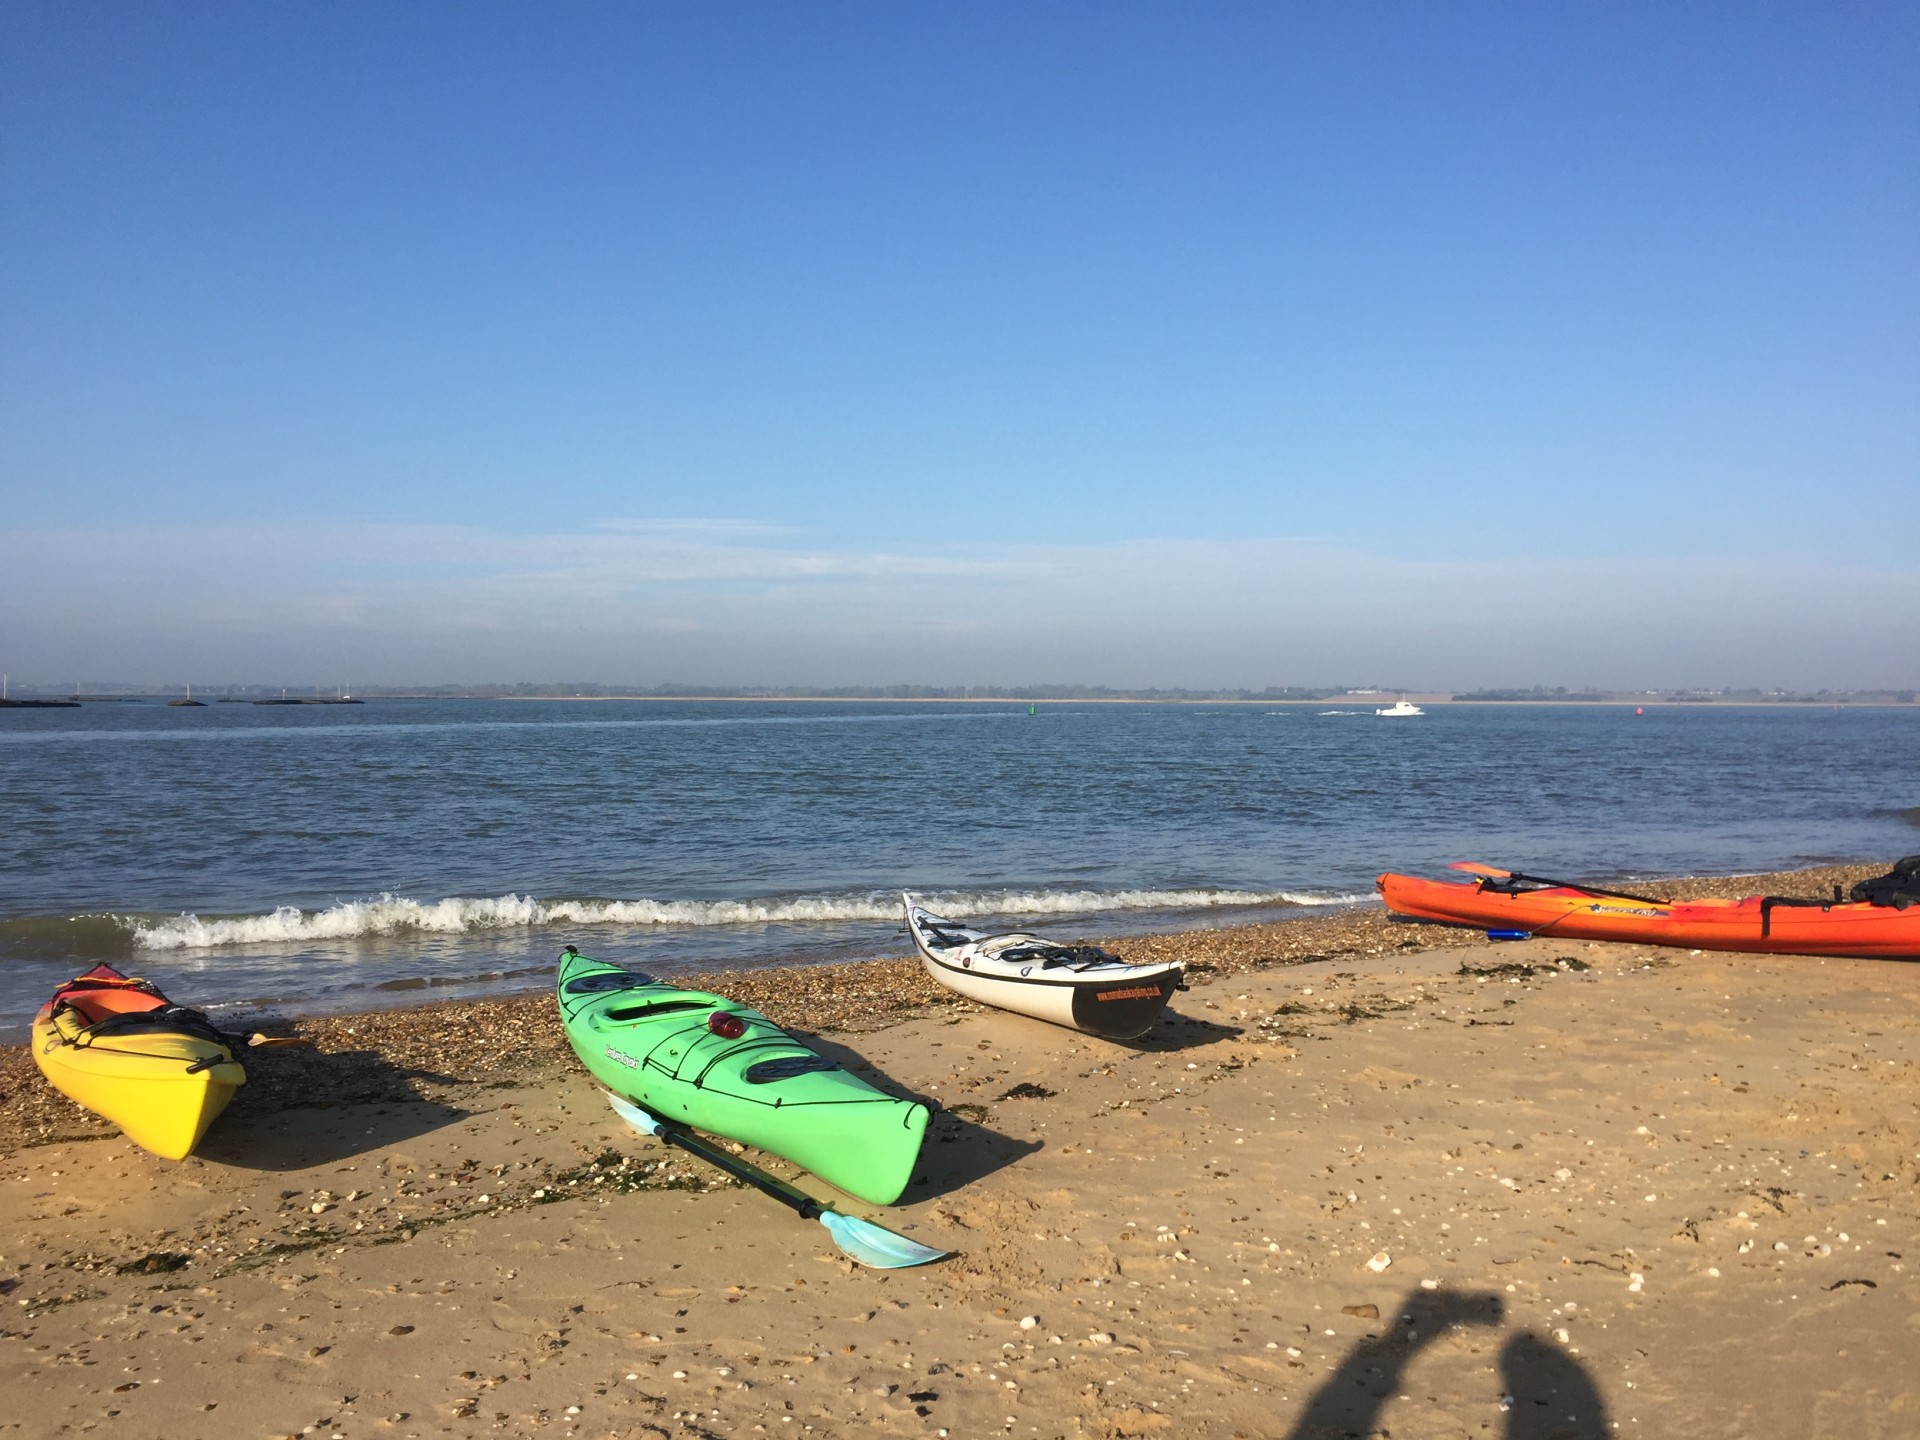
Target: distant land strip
column 97, row 692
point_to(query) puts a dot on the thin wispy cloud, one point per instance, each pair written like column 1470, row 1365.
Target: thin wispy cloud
column 733, row 603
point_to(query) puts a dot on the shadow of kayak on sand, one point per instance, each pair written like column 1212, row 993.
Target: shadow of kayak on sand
column 301, row 1108
column 959, row 1149
column 1174, row 1032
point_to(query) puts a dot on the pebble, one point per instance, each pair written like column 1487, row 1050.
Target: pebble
column 1028, row 1322
column 1379, row 1262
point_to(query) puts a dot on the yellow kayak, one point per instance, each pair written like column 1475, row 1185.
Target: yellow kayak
column 117, row 1046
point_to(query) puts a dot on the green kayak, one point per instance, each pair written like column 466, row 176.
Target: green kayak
column 704, row 1061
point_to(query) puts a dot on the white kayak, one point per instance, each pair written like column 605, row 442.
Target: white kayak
column 1079, row 986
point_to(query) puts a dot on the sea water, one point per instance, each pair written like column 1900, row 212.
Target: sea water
column 344, row 857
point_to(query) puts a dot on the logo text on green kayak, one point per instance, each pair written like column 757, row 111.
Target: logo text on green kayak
column 624, row 1058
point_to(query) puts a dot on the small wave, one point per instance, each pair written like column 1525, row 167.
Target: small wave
column 1343, row 712
column 393, row 914
column 480, row 977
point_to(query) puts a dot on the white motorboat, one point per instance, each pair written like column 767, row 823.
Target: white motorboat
column 1401, row 707
column 1080, row 986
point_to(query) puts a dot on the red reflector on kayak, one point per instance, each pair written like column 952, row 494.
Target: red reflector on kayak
column 726, row 1025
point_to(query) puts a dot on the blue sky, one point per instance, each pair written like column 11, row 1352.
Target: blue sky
column 1178, row 344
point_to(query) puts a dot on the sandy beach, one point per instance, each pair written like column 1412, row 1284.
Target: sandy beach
column 1368, row 1179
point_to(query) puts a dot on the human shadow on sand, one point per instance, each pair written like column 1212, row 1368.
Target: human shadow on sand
column 1547, row 1395
column 304, row 1107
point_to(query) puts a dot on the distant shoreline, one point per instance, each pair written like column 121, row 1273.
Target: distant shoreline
column 1382, row 700
column 1378, row 700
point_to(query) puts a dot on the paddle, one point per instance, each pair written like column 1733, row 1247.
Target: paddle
column 866, row 1242
column 1475, row 868
column 258, row 1041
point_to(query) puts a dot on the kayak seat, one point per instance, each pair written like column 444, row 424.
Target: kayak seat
column 97, row 999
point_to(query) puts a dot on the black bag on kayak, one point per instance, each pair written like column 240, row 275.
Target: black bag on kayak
column 1899, row 887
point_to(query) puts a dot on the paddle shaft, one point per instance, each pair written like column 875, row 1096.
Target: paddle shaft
column 745, row 1171
column 1585, row 889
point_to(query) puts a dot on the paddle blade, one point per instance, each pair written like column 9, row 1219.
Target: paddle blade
column 874, row 1245
column 1474, row 867
column 279, row 1042
column 633, row 1115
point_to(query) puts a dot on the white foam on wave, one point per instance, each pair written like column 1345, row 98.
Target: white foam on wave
column 392, row 914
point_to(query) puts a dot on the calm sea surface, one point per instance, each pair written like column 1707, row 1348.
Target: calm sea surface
column 345, row 857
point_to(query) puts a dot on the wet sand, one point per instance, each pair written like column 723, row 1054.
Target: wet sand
column 1367, row 1178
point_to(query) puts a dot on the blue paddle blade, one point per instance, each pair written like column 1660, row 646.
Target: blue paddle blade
column 874, row 1245
column 633, row 1115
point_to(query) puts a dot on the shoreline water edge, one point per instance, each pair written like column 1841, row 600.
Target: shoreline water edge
column 1364, row 1174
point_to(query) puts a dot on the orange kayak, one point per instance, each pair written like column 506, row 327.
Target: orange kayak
column 1762, row 923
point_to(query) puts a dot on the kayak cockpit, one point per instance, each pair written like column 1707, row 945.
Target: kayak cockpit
column 622, row 1014
column 605, row 982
